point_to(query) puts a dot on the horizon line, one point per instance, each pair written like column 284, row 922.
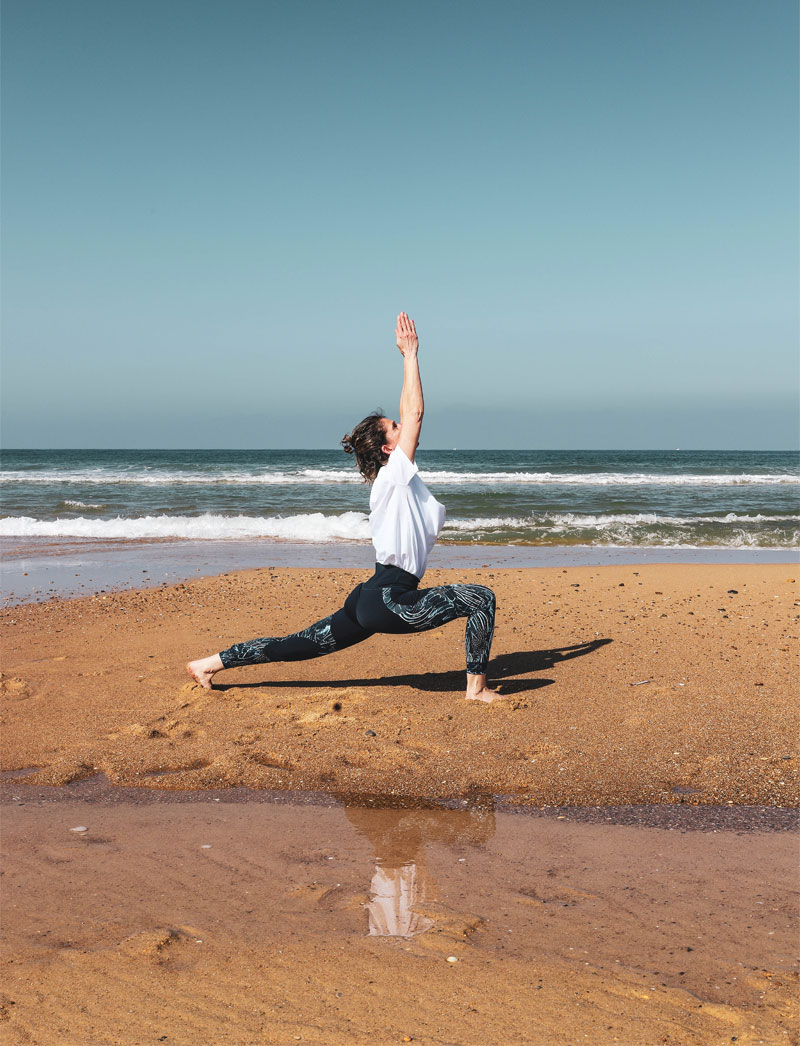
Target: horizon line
column 449, row 450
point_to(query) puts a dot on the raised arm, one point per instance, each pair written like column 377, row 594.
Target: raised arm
column 412, row 405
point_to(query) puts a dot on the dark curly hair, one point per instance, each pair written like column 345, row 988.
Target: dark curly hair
column 366, row 442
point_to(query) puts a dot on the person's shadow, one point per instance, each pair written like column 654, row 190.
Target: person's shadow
column 521, row 662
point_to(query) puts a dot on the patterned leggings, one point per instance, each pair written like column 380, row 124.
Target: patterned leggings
column 389, row 602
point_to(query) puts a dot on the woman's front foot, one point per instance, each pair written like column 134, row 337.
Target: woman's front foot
column 477, row 690
column 203, row 669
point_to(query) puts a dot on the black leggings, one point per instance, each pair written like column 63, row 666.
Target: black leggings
column 390, row 602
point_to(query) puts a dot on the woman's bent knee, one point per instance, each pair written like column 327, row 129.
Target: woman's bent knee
column 483, row 595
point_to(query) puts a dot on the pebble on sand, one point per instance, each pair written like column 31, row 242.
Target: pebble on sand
column 80, row 828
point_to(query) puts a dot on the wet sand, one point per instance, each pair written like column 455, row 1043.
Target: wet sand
column 646, row 684
column 38, row 568
column 233, row 922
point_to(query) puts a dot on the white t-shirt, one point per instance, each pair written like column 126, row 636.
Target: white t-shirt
column 405, row 518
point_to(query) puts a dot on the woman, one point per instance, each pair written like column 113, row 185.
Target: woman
column 405, row 520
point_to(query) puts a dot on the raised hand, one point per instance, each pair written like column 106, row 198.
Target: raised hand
column 406, row 334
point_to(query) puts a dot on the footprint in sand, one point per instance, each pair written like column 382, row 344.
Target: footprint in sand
column 14, row 688
column 174, row 729
column 158, row 944
column 330, row 708
column 169, row 770
column 271, row 760
column 192, row 688
column 163, row 728
column 315, row 893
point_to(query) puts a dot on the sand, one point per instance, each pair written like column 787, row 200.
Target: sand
column 223, row 916
column 200, row 922
column 624, row 685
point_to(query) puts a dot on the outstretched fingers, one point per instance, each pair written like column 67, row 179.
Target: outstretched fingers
column 408, row 324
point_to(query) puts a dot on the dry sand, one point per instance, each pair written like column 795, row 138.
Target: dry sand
column 625, row 685
column 245, row 922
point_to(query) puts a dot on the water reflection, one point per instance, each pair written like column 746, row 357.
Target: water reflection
column 402, row 890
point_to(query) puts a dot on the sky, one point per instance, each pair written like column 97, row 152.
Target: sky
column 213, row 212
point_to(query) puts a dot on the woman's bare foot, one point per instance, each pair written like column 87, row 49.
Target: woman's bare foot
column 477, row 690
column 202, row 670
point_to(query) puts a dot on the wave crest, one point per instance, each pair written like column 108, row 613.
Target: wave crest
column 647, row 529
column 147, row 478
column 314, row 526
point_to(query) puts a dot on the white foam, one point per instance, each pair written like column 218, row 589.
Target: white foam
column 625, row 530
column 571, row 520
column 202, row 478
column 611, row 530
column 146, row 477
column 352, row 526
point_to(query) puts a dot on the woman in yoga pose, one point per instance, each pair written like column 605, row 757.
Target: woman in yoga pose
column 405, row 520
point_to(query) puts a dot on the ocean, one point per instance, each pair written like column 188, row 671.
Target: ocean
column 683, row 499
column 76, row 522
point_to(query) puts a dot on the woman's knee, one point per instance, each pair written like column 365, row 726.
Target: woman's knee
column 484, row 597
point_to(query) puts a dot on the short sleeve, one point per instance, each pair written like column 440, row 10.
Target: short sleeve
column 399, row 469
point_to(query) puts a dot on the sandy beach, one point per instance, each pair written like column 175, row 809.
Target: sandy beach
column 639, row 684
column 216, row 913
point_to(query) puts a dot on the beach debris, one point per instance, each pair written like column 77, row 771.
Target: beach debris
column 80, row 828
column 370, row 733
column 733, row 591
column 205, row 846
column 642, row 682
column 452, row 958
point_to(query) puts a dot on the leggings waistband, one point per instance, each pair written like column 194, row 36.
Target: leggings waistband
column 388, row 575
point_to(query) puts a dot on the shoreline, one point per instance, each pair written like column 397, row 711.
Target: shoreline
column 681, row 816
column 37, row 570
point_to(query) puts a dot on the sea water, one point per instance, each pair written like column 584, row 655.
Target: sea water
column 609, row 499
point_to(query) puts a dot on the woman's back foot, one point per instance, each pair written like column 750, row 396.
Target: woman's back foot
column 204, row 669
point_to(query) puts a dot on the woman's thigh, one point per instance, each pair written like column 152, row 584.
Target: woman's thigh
column 418, row 610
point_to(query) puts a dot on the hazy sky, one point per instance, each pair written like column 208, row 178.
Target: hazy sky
column 213, row 211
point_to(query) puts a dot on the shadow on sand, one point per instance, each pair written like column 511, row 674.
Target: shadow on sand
column 501, row 668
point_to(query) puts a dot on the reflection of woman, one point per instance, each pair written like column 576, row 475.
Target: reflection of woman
column 405, row 520
column 398, row 836
column 400, row 884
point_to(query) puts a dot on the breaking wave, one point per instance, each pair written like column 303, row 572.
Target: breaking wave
column 204, row 477
column 313, row 526
column 731, row 530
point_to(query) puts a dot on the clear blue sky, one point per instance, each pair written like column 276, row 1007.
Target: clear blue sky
column 213, row 211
